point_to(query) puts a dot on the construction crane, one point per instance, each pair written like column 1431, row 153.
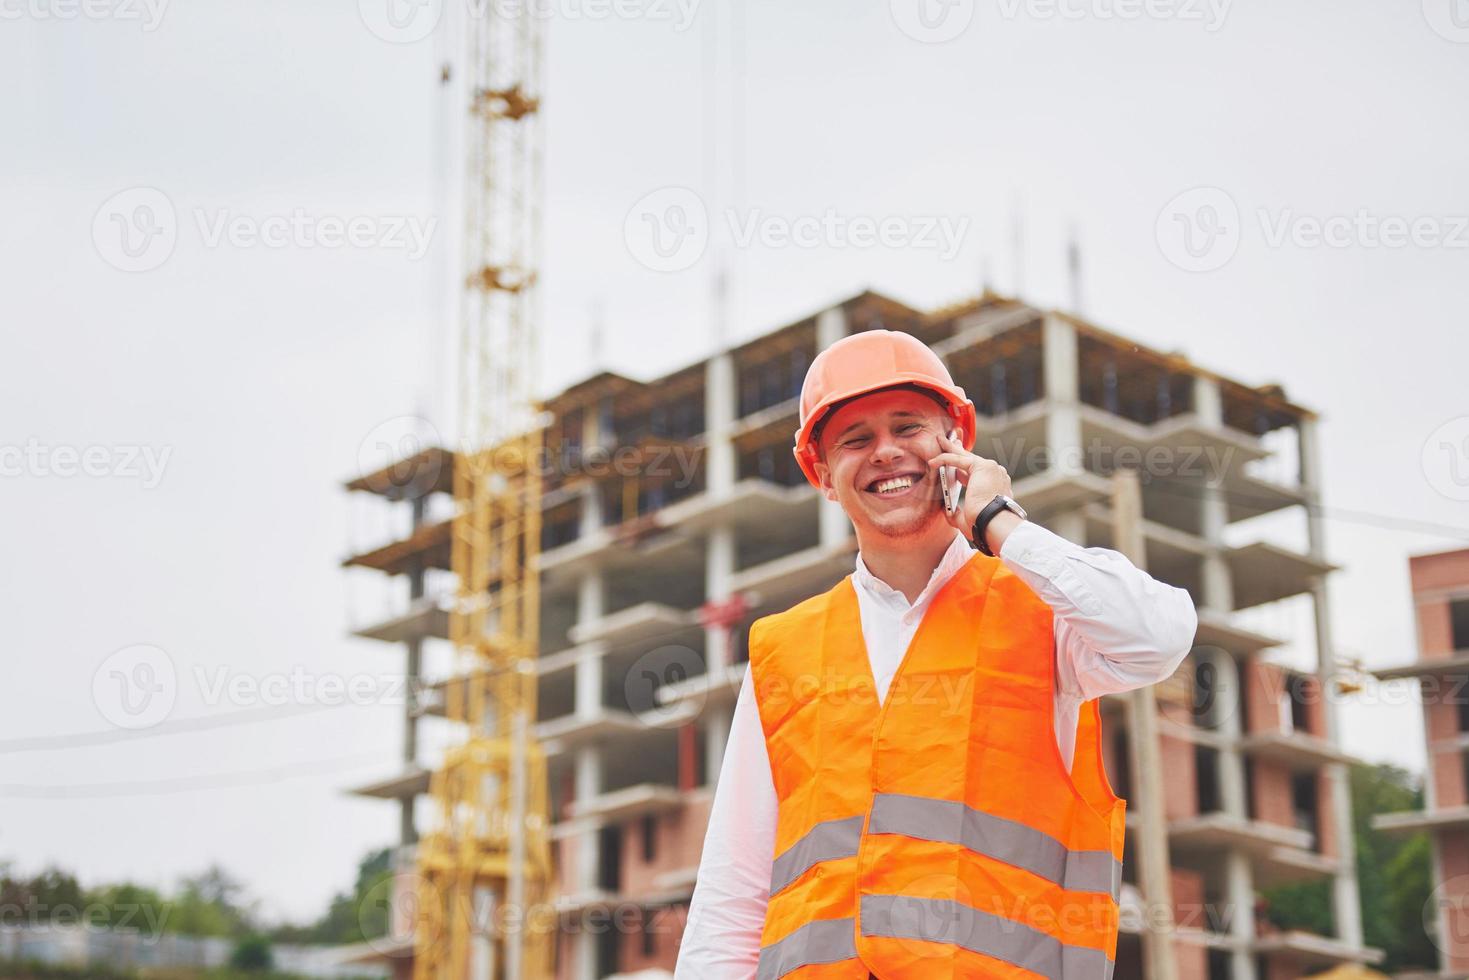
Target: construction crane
column 484, row 866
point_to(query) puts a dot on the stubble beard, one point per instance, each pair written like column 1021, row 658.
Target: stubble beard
column 908, row 527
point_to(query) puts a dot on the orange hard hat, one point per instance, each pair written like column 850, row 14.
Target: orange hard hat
column 871, row 361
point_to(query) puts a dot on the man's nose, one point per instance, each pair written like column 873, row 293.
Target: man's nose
column 885, row 448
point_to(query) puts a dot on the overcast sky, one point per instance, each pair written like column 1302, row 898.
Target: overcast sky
column 210, row 401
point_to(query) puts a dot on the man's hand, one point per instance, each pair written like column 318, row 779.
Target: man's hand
column 982, row 479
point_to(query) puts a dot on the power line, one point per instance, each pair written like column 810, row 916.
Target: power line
column 1392, row 522
column 184, row 784
column 245, row 716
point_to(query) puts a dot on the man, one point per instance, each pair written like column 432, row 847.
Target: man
column 913, row 785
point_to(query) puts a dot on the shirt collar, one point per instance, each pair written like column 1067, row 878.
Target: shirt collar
column 959, row 552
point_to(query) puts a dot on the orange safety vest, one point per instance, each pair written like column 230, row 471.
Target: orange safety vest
column 936, row 834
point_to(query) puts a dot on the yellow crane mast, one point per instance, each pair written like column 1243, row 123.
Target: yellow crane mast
column 485, row 865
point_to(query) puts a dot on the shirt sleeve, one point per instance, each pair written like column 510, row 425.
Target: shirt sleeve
column 721, row 940
column 1117, row 627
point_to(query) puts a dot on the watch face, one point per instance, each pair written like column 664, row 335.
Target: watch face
column 1019, row 510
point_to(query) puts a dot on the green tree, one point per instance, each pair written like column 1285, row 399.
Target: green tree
column 207, row 904
column 353, row 916
column 1393, row 875
column 128, row 906
column 252, row 953
column 57, row 895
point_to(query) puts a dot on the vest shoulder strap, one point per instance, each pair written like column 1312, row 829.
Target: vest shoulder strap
column 768, row 632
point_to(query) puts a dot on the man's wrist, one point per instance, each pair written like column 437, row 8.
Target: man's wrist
column 999, row 529
column 980, row 533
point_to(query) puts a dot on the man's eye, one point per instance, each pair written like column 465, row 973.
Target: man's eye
column 854, row 442
column 910, row 427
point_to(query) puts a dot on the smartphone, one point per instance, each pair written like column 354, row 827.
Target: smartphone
column 950, row 485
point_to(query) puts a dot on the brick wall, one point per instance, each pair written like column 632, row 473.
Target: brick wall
column 1188, row 898
column 1449, row 570
column 1270, row 784
column 1325, row 825
column 1435, row 574
column 1181, row 788
column 563, row 857
column 678, row 839
column 1435, row 638
column 565, row 953
column 655, row 945
column 1264, row 689
column 1454, row 895
column 1315, row 706
column 1192, row 961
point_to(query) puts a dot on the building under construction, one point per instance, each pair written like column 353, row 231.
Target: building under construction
column 673, row 516
column 1440, row 584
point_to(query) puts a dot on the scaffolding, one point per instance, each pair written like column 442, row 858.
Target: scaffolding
column 485, row 866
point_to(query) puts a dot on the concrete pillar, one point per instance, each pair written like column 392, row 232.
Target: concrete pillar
column 1239, row 884
column 1061, row 367
column 719, row 566
column 587, row 765
column 591, row 500
column 1216, row 582
column 1208, row 401
column 588, row 856
column 413, row 680
column 1309, row 451
column 716, row 736
column 831, row 326
column 833, row 526
column 589, row 681
column 720, row 406
column 1440, row 917
column 1224, row 717
column 1346, row 900
column 1070, row 524
column 591, row 603
column 591, row 597
column 407, row 831
column 1218, row 586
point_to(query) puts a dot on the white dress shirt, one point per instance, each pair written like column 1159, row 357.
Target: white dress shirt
column 1116, row 629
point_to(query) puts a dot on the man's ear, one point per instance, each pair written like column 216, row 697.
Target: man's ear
column 823, row 473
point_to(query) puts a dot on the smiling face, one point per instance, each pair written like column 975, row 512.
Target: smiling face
column 874, row 454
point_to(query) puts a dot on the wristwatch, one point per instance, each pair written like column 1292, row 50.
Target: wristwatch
column 987, row 514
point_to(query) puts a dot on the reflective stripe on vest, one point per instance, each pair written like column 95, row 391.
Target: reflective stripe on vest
column 938, row 920
column 827, row 841
column 949, row 822
column 996, row 837
column 822, row 941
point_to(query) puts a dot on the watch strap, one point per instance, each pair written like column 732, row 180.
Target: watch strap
column 987, row 514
